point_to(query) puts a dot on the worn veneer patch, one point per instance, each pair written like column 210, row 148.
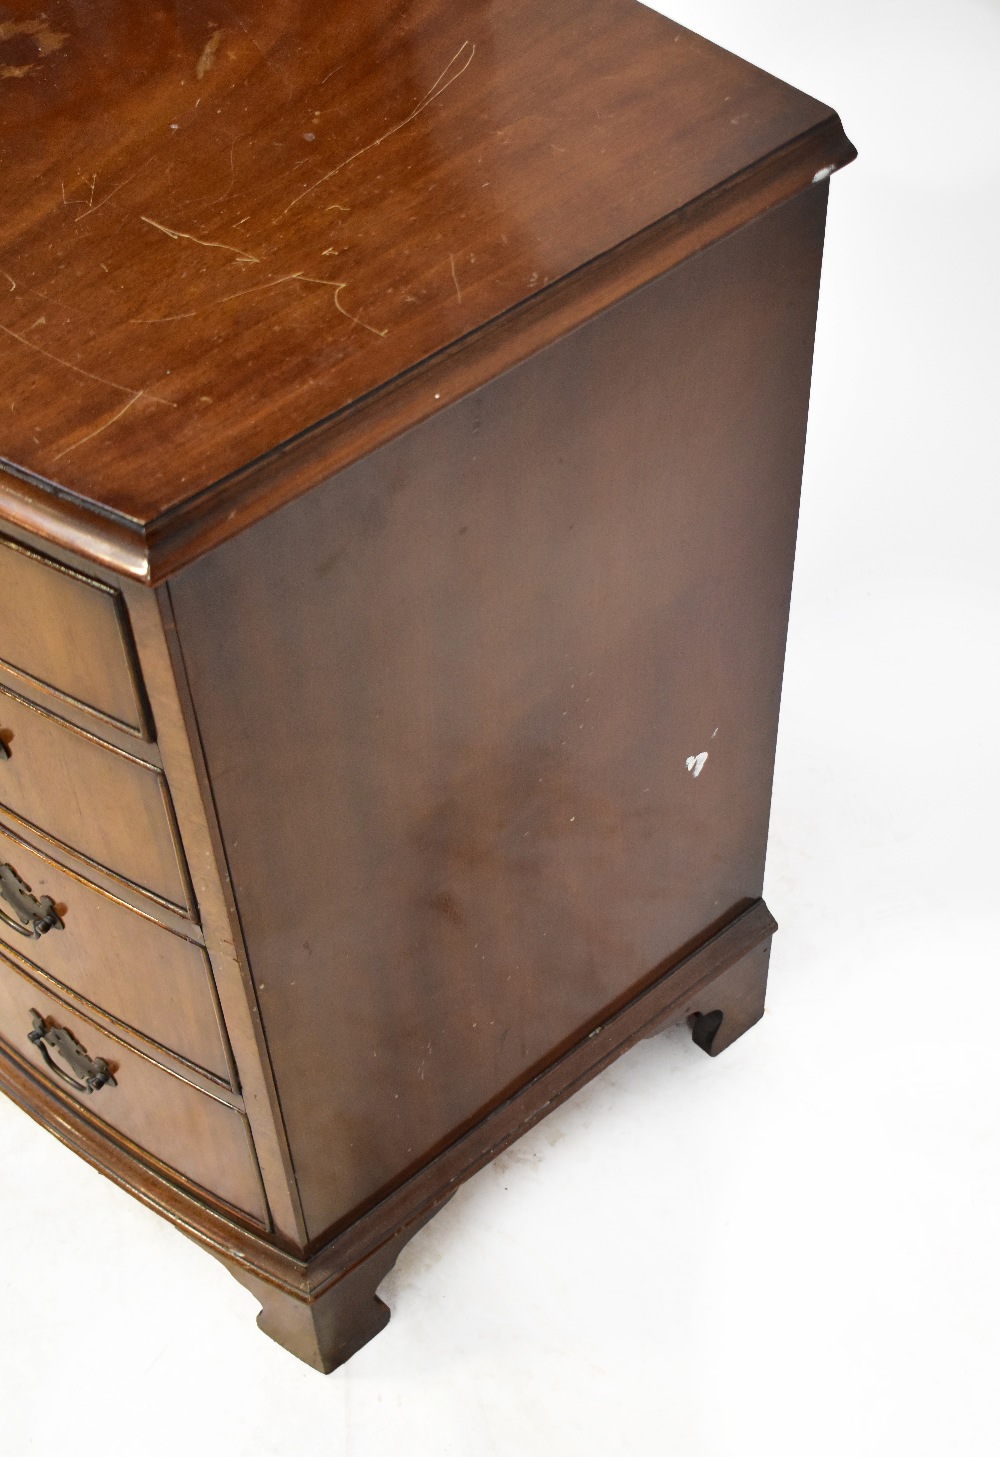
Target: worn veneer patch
column 23, row 43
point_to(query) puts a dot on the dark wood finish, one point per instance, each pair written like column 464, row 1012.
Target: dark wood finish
column 284, row 1282
column 68, row 633
column 228, row 256
column 42, row 844
column 406, row 415
column 158, row 984
column 326, row 1330
column 109, row 808
column 180, row 750
column 169, row 543
column 690, row 988
column 324, row 1326
column 476, row 811
column 737, row 1003
column 198, row 1136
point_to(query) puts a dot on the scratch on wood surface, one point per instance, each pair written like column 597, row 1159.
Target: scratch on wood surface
column 454, row 275
column 335, row 284
column 268, row 62
column 440, row 86
column 107, row 198
column 215, row 303
column 232, row 175
column 232, row 172
column 88, row 203
column 37, row 293
column 337, row 207
column 134, row 396
column 257, row 288
column 167, row 319
column 67, row 365
column 207, row 59
column 337, row 287
column 242, row 255
column 139, row 394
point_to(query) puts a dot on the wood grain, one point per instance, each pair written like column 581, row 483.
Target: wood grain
column 425, row 386
column 475, row 831
column 192, row 793
column 687, row 987
column 202, row 259
column 69, row 634
column 96, row 801
column 190, row 1132
column 156, row 983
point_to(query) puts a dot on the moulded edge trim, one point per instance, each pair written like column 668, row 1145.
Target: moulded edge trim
column 152, row 551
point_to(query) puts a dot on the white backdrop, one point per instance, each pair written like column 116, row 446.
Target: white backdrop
column 791, row 1249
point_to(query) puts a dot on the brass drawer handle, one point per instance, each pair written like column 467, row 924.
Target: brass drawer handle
column 93, row 1071
column 35, row 915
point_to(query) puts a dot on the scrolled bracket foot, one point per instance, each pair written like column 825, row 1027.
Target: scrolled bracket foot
column 731, row 1004
column 327, row 1327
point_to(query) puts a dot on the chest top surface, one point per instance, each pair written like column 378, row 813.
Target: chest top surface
column 227, row 225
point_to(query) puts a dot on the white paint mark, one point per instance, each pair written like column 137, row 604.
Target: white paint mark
column 714, row 732
column 696, row 762
column 824, row 173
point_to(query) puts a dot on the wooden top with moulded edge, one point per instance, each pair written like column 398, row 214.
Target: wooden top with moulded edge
column 241, row 249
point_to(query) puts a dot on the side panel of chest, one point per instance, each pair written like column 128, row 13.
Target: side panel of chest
column 490, row 717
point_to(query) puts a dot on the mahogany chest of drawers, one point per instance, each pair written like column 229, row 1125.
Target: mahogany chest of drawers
column 402, row 412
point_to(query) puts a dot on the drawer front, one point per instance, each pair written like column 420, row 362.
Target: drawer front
column 200, row 1138
column 156, row 983
column 69, row 633
column 110, row 808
